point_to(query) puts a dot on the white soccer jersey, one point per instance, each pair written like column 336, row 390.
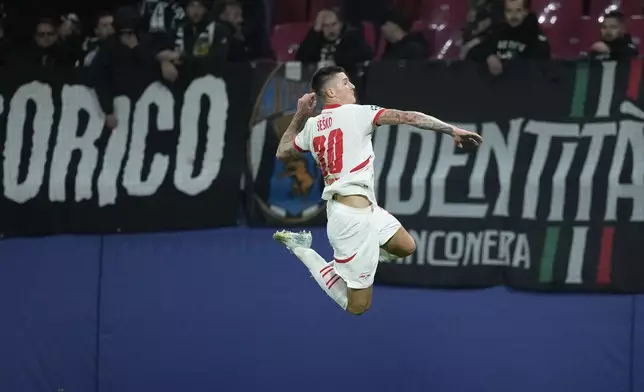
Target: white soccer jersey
column 340, row 141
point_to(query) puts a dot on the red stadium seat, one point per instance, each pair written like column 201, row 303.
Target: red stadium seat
column 369, row 31
column 412, row 7
column 600, row 7
column 445, row 19
column 558, row 20
column 632, row 7
column 286, row 38
column 562, row 10
column 445, row 12
column 587, row 33
column 429, row 34
column 289, row 11
column 635, row 26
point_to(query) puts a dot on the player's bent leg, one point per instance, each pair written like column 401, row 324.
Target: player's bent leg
column 395, row 242
column 354, row 239
column 401, row 244
column 300, row 245
column 359, row 300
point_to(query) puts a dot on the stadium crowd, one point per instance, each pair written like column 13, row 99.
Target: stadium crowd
column 160, row 37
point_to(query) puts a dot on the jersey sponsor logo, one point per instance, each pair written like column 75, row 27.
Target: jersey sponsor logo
column 292, row 193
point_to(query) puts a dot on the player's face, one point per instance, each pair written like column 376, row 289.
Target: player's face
column 343, row 89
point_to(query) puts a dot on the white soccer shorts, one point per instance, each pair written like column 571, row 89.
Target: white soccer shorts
column 356, row 234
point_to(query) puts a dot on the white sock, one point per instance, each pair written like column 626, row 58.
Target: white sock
column 323, row 273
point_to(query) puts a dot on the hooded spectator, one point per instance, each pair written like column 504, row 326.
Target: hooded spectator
column 242, row 46
column 402, row 43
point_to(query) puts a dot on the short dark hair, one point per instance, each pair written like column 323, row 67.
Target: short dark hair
column 46, row 20
column 615, row 15
column 322, row 76
column 221, row 6
column 399, row 18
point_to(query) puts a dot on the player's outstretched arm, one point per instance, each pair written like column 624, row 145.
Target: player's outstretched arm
column 416, row 119
column 305, row 109
column 425, row 121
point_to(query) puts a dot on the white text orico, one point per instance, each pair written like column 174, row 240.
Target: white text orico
column 427, row 183
column 118, row 156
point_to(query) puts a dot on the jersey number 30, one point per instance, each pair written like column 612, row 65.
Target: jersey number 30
column 329, row 154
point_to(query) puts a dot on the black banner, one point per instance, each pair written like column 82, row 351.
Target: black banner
column 554, row 199
column 173, row 162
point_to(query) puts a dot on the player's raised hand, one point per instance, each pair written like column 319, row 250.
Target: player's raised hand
column 306, row 104
column 464, row 138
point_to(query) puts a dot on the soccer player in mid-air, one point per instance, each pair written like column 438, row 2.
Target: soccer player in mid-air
column 360, row 232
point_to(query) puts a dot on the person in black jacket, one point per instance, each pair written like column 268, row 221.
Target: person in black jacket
column 103, row 29
column 246, row 43
column 615, row 43
column 520, row 37
column 125, row 64
column 201, row 43
column 45, row 50
column 332, row 41
column 483, row 17
column 402, row 44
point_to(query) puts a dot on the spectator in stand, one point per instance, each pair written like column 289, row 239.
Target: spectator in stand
column 242, row 47
column 103, row 29
column 615, row 43
column 256, row 28
column 4, row 44
column 70, row 37
column 482, row 19
column 200, row 42
column 161, row 16
column 125, row 64
column 358, row 11
column 45, row 49
column 331, row 41
column 520, row 37
column 160, row 19
column 402, row 44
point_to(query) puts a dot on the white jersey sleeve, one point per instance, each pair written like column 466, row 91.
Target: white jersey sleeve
column 302, row 141
column 367, row 115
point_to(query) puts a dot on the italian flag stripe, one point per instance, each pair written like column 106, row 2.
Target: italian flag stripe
column 577, row 253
